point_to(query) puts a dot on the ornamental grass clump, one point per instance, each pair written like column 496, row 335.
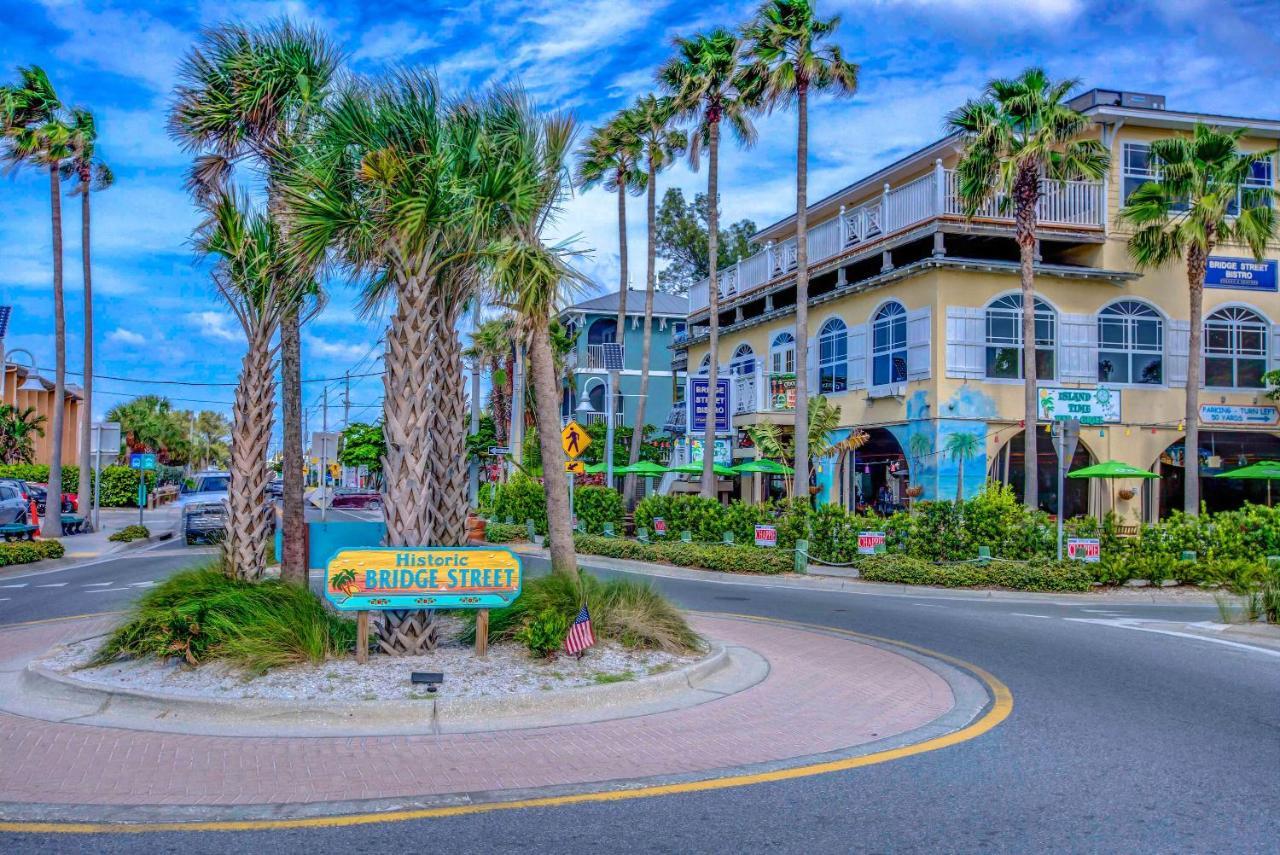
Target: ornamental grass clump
column 204, row 615
column 130, row 533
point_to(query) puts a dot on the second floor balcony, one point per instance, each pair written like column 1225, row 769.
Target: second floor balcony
column 595, row 358
column 1071, row 205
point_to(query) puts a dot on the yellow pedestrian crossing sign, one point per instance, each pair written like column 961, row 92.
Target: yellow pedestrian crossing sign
column 577, row 467
column 574, row 439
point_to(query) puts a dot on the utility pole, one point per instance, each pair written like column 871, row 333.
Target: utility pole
column 346, row 402
column 516, row 434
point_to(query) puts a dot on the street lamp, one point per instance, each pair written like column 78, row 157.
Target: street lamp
column 32, row 383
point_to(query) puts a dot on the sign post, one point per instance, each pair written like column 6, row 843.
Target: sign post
column 574, row 440
column 106, row 435
column 1066, row 436
column 144, row 463
column 324, row 444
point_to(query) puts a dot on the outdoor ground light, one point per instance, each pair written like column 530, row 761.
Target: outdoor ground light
column 433, row 679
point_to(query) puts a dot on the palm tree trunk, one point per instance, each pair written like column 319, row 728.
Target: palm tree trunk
column 248, row 527
column 615, row 380
column 1026, row 192
column 448, row 435
column 713, row 296
column 84, row 489
column 959, row 482
column 546, row 398
column 51, row 526
column 637, row 435
column 802, row 293
column 294, row 560
column 1196, row 260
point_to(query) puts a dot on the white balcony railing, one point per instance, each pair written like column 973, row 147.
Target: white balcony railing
column 896, row 209
column 599, row 418
column 595, row 357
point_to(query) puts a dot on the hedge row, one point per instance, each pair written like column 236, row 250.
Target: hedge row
column 708, row 556
column 26, row 552
column 495, row 532
column 1017, row 575
column 119, row 483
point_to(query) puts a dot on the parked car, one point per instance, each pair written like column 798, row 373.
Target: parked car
column 275, row 489
column 40, row 492
column 13, row 504
column 350, row 498
column 202, row 507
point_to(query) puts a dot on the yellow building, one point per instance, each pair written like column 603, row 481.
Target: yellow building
column 915, row 330
column 42, row 402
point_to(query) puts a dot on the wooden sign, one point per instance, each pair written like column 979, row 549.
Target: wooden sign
column 383, row 578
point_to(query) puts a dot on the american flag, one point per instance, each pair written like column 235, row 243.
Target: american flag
column 580, row 636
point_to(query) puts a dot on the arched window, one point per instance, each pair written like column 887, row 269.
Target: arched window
column 1130, row 344
column 889, row 345
column 833, row 357
column 744, row 360
column 1004, row 338
column 595, row 395
column 602, row 331
column 782, row 354
column 1235, row 349
column 705, row 368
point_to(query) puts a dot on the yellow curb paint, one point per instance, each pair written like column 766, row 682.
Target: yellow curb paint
column 1001, row 707
column 27, row 623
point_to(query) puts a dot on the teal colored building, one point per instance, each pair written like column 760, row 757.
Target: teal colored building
column 596, row 323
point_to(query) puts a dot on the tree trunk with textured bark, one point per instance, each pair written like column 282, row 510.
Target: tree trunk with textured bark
column 248, row 521
column 293, row 561
column 802, row 294
column 713, row 300
column 637, row 435
column 546, row 396
column 1026, row 194
column 447, row 479
column 84, row 488
column 1196, row 261
column 51, row 525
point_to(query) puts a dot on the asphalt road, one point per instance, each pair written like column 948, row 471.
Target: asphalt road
column 1119, row 741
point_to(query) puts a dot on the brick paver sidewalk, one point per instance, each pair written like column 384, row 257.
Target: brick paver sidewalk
column 823, row 693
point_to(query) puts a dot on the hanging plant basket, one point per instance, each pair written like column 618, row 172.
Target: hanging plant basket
column 914, row 491
column 1126, row 494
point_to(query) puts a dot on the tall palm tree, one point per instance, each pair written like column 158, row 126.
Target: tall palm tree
column 535, row 279
column 247, row 249
column 1018, row 135
column 787, row 61
column 1198, row 202
column 962, row 447
column 91, row 175
column 650, row 119
column 37, row 135
column 252, row 95
column 707, row 88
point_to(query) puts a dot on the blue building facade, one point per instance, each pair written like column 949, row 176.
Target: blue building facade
column 595, row 322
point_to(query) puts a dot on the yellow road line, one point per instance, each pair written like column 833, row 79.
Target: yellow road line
column 25, row 623
column 1001, row 707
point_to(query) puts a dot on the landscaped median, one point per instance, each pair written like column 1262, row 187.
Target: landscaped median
column 28, row 551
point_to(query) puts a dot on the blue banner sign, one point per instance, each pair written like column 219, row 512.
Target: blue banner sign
column 1241, row 274
column 698, row 395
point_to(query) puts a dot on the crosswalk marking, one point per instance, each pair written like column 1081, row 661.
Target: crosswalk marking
column 23, row 585
column 53, row 585
column 97, row 584
column 1028, row 614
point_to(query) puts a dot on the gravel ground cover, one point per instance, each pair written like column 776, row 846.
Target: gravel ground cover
column 507, row 670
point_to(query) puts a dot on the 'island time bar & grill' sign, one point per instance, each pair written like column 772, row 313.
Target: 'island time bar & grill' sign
column 430, row 577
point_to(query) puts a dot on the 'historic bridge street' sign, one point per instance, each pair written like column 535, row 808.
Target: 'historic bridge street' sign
column 423, row 577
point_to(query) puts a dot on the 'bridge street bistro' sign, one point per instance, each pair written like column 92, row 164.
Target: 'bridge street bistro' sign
column 422, row 577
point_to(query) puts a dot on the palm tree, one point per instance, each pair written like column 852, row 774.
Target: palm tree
column 492, row 346
column 706, row 85
column 962, row 447
column 534, row 278
column 253, row 95
column 247, row 249
column 91, row 175
column 1018, row 135
column 787, row 61
column 1197, row 203
column 650, row 119
column 18, row 430
column 36, row 135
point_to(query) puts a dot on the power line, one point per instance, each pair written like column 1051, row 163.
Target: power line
column 224, row 385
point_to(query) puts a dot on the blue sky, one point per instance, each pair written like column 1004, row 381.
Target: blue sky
column 157, row 316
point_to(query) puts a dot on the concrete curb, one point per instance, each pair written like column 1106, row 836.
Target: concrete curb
column 56, row 696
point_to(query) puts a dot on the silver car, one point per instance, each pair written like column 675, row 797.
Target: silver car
column 13, row 507
column 202, row 508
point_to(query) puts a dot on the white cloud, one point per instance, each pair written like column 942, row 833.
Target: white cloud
column 128, row 338
column 1010, row 13
column 395, row 41
column 215, row 325
column 337, row 350
column 133, row 43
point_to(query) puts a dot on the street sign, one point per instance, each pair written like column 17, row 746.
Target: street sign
column 499, row 450
column 577, row 467
column 869, row 542
column 766, row 535
column 612, row 353
column 1087, row 549
column 697, row 396
column 142, row 461
column 418, row 577
column 574, row 439
column 104, row 439
column 324, row 444
column 1066, row 436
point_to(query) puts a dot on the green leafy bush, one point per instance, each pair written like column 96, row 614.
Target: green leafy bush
column 203, row 615
column 544, row 633
column 522, row 498
column 119, row 483
column 594, row 506
column 130, row 533
column 485, row 498
column 1020, row 575
column 27, row 551
column 502, row 533
column 708, row 556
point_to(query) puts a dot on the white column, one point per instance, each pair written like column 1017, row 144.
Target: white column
column 885, row 225
column 939, row 188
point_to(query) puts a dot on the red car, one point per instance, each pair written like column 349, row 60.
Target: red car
column 350, row 498
column 40, row 492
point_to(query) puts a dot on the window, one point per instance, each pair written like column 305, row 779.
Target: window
column 833, row 357
column 1004, row 338
column 1259, row 178
column 744, row 360
column 1138, row 167
column 1235, row 349
column 1130, row 344
column 782, row 354
column 705, row 368
column 889, row 345
column 595, row 395
column 678, row 330
column 602, row 331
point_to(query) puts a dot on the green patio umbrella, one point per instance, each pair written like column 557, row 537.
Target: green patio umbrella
column 643, row 468
column 1111, row 469
column 598, row 468
column 1263, row 470
column 696, row 469
column 764, row 467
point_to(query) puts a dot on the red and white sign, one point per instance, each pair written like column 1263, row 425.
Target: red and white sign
column 1084, row 549
column 659, row 525
column 766, row 535
column 869, row 542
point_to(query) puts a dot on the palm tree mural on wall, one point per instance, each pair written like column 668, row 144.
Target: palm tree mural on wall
column 962, row 447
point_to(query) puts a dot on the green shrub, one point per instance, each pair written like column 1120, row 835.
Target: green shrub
column 738, row 558
column 1020, row 575
column 502, row 533
column 543, row 634
column 119, row 483
column 485, row 498
column 202, row 615
column 130, row 533
column 594, row 506
column 522, row 498
column 27, row 551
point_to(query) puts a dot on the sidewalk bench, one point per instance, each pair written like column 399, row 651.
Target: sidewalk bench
column 17, row 531
column 72, row 524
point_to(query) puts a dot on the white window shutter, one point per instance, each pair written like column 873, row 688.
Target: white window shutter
column 1275, row 347
column 857, row 345
column 1177, row 347
column 919, row 335
column 966, row 342
column 1078, row 348
column 811, row 366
